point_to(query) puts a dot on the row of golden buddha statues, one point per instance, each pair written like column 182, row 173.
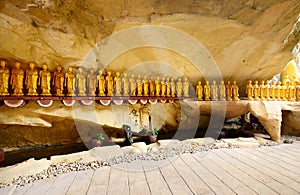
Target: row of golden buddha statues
column 280, row 91
column 71, row 84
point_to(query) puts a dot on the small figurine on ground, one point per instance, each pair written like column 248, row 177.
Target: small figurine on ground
column 235, row 91
column 199, row 91
column 207, row 91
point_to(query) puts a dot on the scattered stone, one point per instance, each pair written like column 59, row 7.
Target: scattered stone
column 242, row 142
column 221, row 145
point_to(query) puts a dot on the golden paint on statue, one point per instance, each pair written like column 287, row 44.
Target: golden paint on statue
column 70, row 82
column 228, row 91
column 267, row 85
column 249, row 90
column 45, row 81
column 139, row 85
column 199, row 91
column 278, row 91
column 179, row 87
column 206, row 91
column 58, row 81
column 157, row 87
column 291, row 70
column 273, row 90
column 152, row 86
column 168, row 93
column 80, row 82
column 256, row 91
column 101, row 83
column 163, row 87
column 292, row 92
column 145, row 86
column 109, row 83
column 297, row 91
column 132, row 83
column 262, row 90
column 235, row 91
column 214, row 91
column 222, row 91
column 186, row 88
column 4, row 78
column 92, row 83
column 31, row 80
column 283, row 91
column 118, row 84
column 173, row 87
column 125, row 84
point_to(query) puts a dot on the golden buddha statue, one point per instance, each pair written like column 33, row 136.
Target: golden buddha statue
column 91, row 83
column 262, row 90
column 297, row 91
column 139, row 85
column 173, row 87
column 179, row 87
column 118, row 84
column 109, row 84
column 292, row 92
column 4, row 78
column 256, row 91
column 80, row 82
column 206, row 91
column 222, row 91
column 146, row 86
column 157, row 86
column 278, row 91
column 267, row 85
column 168, row 93
column 199, row 91
column 235, row 91
column 291, row 70
column 152, row 86
column 132, row 83
column 31, row 80
column 125, row 84
column 101, row 83
column 163, row 87
column 70, row 82
column 45, row 80
column 228, row 91
column 214, row 91
column 186, row 88
column 58, row 81
column 283, row 91
column 249, row 90
column 273, row 91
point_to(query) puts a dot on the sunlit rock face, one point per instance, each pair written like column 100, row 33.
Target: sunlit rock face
column 247, row 40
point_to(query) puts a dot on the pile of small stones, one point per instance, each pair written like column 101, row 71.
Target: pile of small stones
column 159, row 154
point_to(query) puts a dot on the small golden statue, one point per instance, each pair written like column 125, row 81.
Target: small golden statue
column 283, row 91
column 118, row 84
column 4, row 78
column 262, row 90
column 101, row 83
column 152, row 86
column 292, row 92
column 228, row 91
column 132, row 82
column 249, row 90
column 235, row 91
column 186, row 88
column 145, row 86
column 297, row 91
column 173, row 87
column 45, row 80
column 273, row 91
column 267, row 85
column 157, row 87
column 80, row 82
column 256, row 91
column 125, row 83
column 58, row 81
column 109, row 84
column 91, row 83
column 139, row 85
column 207, row 91
column 163, row 87
column 222, row 91
column 199, row 91
column 31, row 80
column 179, row 87
column 168, row 93
column 70, row 82
column 278, row 91
column 214, row 91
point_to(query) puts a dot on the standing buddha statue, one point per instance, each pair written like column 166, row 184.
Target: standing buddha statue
column 45, row 80
column 31, row 80
column 58, row 81
column 4, row 78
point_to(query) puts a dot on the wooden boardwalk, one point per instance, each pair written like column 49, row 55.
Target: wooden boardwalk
column 266, row 170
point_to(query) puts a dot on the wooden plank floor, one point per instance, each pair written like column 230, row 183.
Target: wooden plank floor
column 265, row 170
